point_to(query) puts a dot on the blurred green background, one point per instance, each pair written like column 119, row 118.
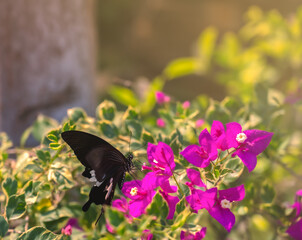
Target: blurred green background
column 139, row 38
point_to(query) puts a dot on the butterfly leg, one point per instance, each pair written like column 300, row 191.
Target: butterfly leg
column 102, row 212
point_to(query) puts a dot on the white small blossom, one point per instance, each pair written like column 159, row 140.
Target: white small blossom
column 133, row 191
column 225, row 203
column 241, row 137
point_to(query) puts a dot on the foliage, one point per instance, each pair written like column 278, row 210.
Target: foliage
column 42, row 187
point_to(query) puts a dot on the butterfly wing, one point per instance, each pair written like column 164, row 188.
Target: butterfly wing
column 95, row 154
column 98, row 155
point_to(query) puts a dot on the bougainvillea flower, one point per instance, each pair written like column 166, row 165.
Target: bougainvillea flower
column 295, row 230
column 67, row 230
column 161, row 159
column 186, row 104
column 221, row 209
column 147, row 235
column 171, row 201
column 161, row 97
column 202, row 199
column 202, row 155
column 109, row 227
column 199, row 123
column 195, row 179
column 123, row 206
column 141, row 196
column 186, row 235
column 160, row 123
column 218, row 134
column 248, row 143
column 298, row 203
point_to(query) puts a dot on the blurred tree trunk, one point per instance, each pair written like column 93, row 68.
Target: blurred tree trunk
column 47, row 61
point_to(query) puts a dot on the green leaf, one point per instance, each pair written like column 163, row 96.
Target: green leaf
column 9, row 187
column 181, row 219
column 43, row 155
column 16, row 206
column 106, row 110
column 267, row 193
column 31, row 191
column 40, row 233
column 131, row 114
column 147, row 137
column 123, row 95
column 182, row 67
column 135, row 128
column 42, row 126
column 25, row 135
column 206, row 45
column 3, row 226
column 60, row 173
column 158, row 207
column 75, row 114
column 109, row 129
column 52, row 137
column 69, row 125
column 55, row 146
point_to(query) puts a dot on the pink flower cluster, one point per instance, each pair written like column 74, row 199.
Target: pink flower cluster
column 295, row 229
column 246, row 144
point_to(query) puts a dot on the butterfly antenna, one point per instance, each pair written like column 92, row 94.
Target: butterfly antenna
column 102, row 212
column 134, row 179
column 143, row 146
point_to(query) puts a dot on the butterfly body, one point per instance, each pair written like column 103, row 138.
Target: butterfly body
column 105, row 166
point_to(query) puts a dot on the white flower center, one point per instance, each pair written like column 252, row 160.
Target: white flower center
column 225, row 203
column 241, row 137
column 155, row 161
column 133, row 191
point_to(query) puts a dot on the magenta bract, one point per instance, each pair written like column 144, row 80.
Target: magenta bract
column 140, row 194
column 201, row 156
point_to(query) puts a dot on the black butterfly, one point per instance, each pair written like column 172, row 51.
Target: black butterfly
column 104, row 165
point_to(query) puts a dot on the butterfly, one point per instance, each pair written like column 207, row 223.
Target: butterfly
column 105, row 166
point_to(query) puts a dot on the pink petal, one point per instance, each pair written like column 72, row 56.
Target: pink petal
column 224, row 216
column 257, row 140
column 186, row 235
column 129, row 185
column 249, row 159
column 165, row 185
column 120, row 204
column 151, row 181
column 192, row 154
column 195, row 178
column 202, row 199
column 137, row 207
column 233, row 194
column 232, row 129
column 218, row 135
column 199, row 123
column 207, row 143
column 160, row 123
column 161, row 97
column 295, row 230
column 299, row 192
column 163, row 156
column 172, row 201
column 147, row 235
